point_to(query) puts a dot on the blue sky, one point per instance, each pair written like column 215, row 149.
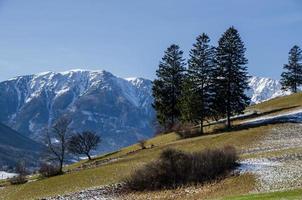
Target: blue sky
column 128, row 37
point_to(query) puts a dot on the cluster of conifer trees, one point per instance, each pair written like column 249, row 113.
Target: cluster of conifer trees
column 292, row 75
column 210, row 85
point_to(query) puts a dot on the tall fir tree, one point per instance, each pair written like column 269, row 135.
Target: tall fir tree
column 198, row 90
column 167, row 87
column 292, row 76
column 231, row 77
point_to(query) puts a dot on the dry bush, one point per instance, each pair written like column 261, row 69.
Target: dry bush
column 48, row 170
column 188, row 130
column 19, row 179
column 142, row 144
column 22, row 172
column 175, row 168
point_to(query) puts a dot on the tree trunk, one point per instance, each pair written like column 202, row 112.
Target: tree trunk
column 201, row 127
column 295, row 87
column 61, row 166
column 229, row 102
column 89, row 158
column 229, row 120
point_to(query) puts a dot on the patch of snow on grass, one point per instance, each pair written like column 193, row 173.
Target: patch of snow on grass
column 295, row 115
column 6, row 175
column 279, row 160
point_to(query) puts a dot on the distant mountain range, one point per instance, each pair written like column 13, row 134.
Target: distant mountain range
column 116, row 108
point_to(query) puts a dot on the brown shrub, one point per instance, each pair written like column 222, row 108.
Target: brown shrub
column 19, row 179
column 142, row 144
column 21, row 171
column 187, row 130
column 175, row 168
column 48, row 170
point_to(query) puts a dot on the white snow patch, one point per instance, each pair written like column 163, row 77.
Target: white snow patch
column 295, row 114
column 6, row 175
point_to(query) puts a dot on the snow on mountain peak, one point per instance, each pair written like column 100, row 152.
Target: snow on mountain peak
column 262, row 89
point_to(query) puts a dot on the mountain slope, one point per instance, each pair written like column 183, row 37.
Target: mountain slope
column 14, row 147
column 118, row 109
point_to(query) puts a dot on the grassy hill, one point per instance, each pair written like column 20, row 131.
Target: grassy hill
column 272, row 146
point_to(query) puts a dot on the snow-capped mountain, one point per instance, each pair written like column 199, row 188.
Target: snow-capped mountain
column 118, row 109
column 262, row 89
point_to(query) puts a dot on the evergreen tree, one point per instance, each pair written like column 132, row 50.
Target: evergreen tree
column 167, row 87
column 198, row 90
column 292, row 77
column 231, row 79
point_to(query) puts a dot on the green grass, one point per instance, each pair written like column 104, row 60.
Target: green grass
column 280, row 103
column 283, row 195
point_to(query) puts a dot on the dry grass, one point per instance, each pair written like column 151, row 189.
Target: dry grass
column 235, row 185
column 118, row 170
column 285, row 103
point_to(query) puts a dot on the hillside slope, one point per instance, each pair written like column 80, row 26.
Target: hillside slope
column 15, row 147
column 270, row 156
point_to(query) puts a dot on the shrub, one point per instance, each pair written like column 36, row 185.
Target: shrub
column 22, row 172
column 19, row 179
column 142, row 144
column 175, row 168
column 186, row 130
column 48, row 170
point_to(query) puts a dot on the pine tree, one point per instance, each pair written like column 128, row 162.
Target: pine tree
column 231, row 79
column 292, row 77
column 167, row 87
column 198, row 90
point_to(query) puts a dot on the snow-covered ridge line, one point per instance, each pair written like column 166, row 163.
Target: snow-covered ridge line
column 261, row 88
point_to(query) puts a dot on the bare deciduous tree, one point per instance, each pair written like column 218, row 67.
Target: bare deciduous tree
column 83, row 143
column 57, row 141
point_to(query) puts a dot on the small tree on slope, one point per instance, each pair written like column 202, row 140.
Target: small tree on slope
column 292, row 76
column 231, row 79
column 83, row 143
column 167, row 87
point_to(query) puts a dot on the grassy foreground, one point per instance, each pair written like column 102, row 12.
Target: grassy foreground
column 116, row 171
column 289, row 195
